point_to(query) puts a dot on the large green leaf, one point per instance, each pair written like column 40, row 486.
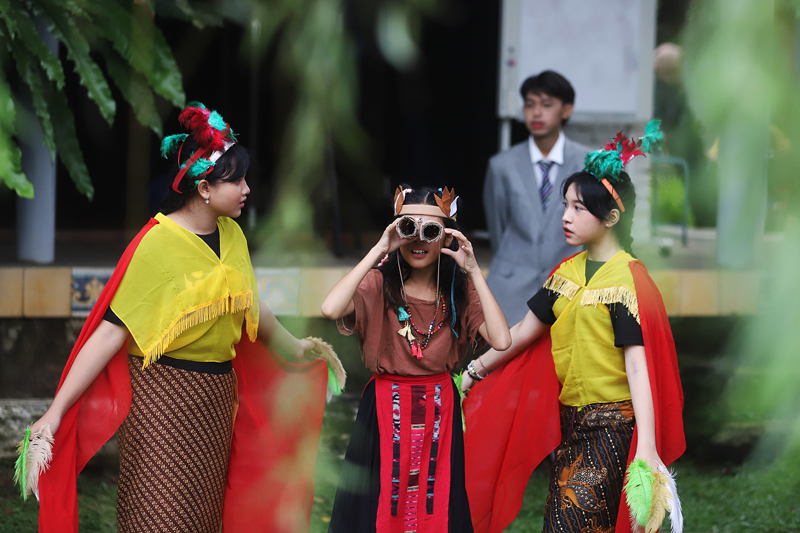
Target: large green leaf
column 69, row 151
column 135, row 90
column 27, row 33
column 30, row 71
column 10, row 156
column 134, row 36
column 64, row 28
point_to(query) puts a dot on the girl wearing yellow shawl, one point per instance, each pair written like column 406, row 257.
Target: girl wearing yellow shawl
column 591, row 372
column 162, row 357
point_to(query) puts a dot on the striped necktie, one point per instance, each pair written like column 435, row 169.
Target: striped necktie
column 546, row 187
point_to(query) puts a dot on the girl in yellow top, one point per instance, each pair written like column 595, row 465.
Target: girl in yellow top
column 590, row 310
column 180, row 307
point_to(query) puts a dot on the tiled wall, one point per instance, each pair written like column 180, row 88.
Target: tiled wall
column 65, row 291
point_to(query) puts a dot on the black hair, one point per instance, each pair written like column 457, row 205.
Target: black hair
column 231, row 166
column 452, row 280
column 599, row 202
column 550, row 83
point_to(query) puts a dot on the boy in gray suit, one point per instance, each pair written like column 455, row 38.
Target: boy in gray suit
column 522, row 195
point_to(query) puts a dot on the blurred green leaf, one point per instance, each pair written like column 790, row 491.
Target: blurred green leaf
column 29, row 70
column 14, row 12
column 135, row 90
column 10, row 157
column 67, row 141
column 66, row 31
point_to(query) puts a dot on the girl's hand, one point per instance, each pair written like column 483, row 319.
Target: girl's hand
column 306, row 352
column 466, row 381
column 390, row 240
column 47, row 418
column 464, row 256
column 650, row 455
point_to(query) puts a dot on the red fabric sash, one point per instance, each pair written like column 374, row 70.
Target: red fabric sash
column 512, row 416
column 92, row 419
column 270, row 485
column 275, row 436
column 415, row 425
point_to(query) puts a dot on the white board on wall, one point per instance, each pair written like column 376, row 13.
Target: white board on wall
column 603, row 47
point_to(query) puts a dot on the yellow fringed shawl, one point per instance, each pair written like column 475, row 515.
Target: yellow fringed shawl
column 588, row 365
column 178, row 297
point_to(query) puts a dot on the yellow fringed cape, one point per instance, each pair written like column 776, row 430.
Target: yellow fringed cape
column 588, row 365
column 178, row 297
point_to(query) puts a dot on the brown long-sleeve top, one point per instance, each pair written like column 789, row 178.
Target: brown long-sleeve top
column 384, row 351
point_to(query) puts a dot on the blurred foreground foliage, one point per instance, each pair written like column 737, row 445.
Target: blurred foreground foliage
column 136, row 57
column 743, row 81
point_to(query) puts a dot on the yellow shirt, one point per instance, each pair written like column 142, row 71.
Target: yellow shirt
column 177, row 297
column 588, row 365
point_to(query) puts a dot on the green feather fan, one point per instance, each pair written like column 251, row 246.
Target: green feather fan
column 21, row 466
column 170, row 144
column 639, row 490
column 653, row 136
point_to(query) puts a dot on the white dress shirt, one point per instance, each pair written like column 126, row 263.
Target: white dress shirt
column 555, row 156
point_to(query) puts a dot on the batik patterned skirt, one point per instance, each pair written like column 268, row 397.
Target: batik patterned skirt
column 589, row 468
column 174, row 448
column 404, row 467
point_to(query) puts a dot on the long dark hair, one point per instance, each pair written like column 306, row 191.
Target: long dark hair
column 452, row 280
column 599, row 202
column 231, row 166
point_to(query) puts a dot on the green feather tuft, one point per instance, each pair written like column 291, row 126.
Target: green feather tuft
column 639, row 490
column 333, row 383
column 170, row 144
column 216, row 121
column 653, row 136
column 21, row 465
column 200, row 166
column 195, row 103
column 461, row 395
column 602, row 164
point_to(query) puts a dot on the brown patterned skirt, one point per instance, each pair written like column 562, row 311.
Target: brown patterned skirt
column 586, row 482
column 174, row 448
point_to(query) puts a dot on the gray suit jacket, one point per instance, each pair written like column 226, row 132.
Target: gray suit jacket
column 527, row 243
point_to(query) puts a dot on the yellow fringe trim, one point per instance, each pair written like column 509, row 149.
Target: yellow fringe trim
column 561, row 285
column 197, row 315
column 618, row 294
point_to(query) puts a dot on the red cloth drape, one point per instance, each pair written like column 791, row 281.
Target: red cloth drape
column 91, row 420
column 512, row 417
column 275, row 436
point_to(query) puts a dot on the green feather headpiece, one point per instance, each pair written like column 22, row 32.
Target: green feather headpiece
column 609, row 162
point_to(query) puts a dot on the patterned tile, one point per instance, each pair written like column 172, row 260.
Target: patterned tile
column 87, row 283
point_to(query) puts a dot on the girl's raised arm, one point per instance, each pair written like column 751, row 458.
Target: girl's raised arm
column 339, row 301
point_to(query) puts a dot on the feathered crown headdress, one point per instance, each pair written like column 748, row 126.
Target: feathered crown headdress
column 211, row 133
column 448, row 204
column 607, row 163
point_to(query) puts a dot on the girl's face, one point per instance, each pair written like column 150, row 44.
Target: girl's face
column 227, row 198
column 420, row 254
column 580, row 226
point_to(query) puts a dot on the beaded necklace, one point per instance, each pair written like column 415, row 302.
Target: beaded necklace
column 404, row 317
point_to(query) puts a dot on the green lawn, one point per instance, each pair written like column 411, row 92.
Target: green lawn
column 716, row 498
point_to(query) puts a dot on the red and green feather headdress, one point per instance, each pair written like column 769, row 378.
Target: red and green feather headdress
column 211, row 133
column 608, row 163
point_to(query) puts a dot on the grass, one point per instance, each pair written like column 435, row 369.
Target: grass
column 716, row 498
